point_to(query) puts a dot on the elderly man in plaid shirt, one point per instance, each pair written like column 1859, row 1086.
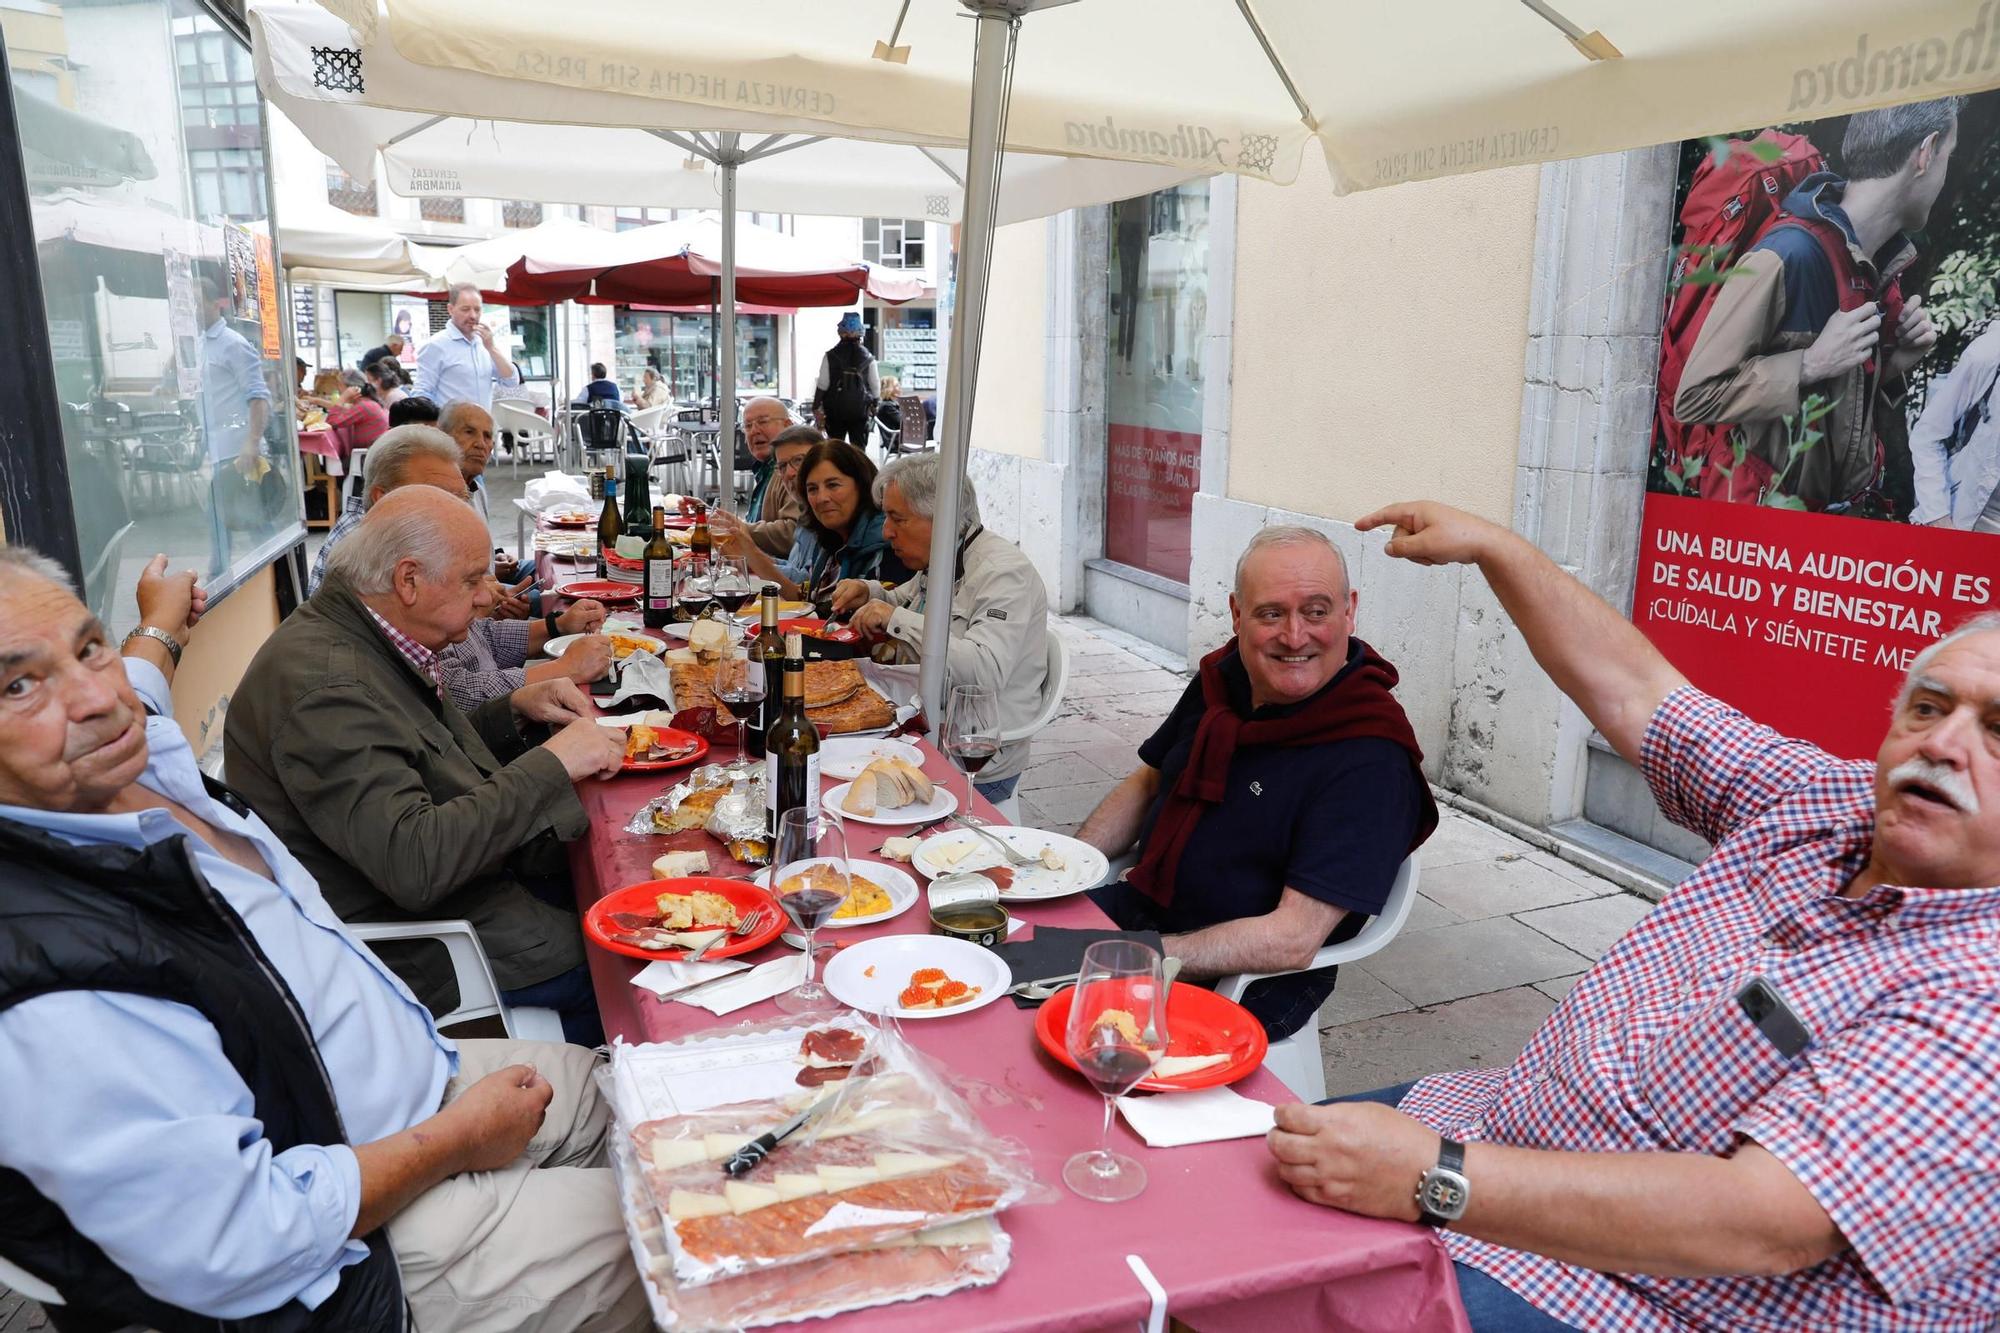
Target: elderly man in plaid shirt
column 1773, row 1104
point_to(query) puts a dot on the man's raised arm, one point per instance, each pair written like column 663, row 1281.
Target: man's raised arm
column 1594, row 655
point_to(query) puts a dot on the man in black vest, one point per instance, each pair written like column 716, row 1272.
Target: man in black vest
column 849, row 386
column 217, row 1109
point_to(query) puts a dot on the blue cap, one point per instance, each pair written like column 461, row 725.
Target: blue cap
column 850, row 323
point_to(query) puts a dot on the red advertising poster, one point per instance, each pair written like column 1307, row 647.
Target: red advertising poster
column 1149, row 508
column 1825, row 473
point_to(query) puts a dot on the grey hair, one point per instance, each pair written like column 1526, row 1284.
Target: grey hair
column 1878, row 143
column 27, row 560
column 916, row 476
column 396, row 452
column 459, row 289
column 1290, row 534
column 1986, row 622
column 453, row 410
column 368, row 556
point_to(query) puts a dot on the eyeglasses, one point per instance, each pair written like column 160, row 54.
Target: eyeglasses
column 766, row 420
column 792, row 464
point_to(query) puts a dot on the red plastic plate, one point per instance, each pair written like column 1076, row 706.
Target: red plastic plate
column 745, row 896
column 1199, row 1022
column 819, row 629
column 600, row 590
column 661, row 765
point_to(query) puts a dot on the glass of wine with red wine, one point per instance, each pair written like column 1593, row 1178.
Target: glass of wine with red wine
column 695, row 590
column 1117, row 1032
column 809, row 878
column 739, row 682
column 971, row 736
column 730, row 581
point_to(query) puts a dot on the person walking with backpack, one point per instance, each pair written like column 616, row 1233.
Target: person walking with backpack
column 849, row 386
column 1955, row 445
column 1814, row 309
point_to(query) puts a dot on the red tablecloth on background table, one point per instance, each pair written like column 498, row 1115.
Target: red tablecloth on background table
column 1234, row 1248
column 323, row 443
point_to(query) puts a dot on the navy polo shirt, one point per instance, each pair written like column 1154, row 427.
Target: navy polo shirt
column 1333, row 821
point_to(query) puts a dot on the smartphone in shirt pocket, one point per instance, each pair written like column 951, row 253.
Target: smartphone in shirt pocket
column 1703, row 1074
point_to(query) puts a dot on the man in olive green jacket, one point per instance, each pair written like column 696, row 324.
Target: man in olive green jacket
column 403, row 807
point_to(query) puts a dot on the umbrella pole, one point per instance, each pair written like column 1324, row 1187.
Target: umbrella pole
column 992, row 72
column 725, row 388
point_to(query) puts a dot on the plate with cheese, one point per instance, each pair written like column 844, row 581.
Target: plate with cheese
column 1062, row 865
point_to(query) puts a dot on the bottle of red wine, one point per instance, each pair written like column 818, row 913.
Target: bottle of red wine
column 768, row 648
column 659, row 574
column 791, row 746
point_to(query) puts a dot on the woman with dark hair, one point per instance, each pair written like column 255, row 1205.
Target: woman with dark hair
column 840, row 533
column 387, row 377
column 358, row 420
column 414, row 410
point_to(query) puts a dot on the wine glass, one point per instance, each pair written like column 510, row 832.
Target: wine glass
column 971, row 736
column 738, row 683
column 815, row 836
column 730, row 581
column 1117, row 1033
column 696, row 589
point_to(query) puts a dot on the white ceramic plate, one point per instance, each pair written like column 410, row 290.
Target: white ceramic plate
column 679, row 629
column 892, row 958
column 897, row 883
column 1084, row 867
column 657, row 717
column 559, row 645
column 941, row 803
column 844, row 757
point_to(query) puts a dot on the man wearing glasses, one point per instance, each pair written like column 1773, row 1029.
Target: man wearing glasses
column 772, row 516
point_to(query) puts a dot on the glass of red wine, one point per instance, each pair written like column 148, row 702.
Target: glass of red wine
column 740, row 682
column 809, row 878
column 696, row 590
column 1117, row 1032
column 730, row 581
column 971, row 736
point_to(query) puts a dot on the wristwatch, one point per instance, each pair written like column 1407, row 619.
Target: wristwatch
column 149, row 632
column 1443, row 1191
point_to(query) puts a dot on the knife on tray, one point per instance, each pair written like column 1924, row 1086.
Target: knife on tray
column 745, row 1159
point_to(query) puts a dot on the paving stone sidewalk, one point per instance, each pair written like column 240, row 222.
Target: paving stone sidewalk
column 1499, row 933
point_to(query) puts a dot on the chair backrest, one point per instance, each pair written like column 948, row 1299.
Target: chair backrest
column 356, row 481
column 24, row 1282
column 1054, row 683
column 647, row 420
column 520, row 419
column 1371, row 938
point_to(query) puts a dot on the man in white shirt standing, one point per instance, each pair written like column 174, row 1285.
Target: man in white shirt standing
column 235, row 409
column 464, row 362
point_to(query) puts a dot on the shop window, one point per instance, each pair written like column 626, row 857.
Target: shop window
column 150, row 204
column 436, row 209
column 893, row 242
column 520, row 213
column 350, row 192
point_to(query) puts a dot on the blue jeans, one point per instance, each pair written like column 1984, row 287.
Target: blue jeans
column 1490, row 1306
column 570, row 994
column 999, row 789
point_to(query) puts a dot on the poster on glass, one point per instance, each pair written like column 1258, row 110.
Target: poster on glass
column 1824, row 481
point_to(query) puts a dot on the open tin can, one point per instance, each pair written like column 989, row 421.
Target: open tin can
column 968, row 907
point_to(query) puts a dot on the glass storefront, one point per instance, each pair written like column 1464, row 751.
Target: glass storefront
column 144, row 141
column 682, row 348
column 1156, row 316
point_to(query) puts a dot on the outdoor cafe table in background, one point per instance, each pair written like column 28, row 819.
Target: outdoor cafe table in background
column 319, row 455
column 1234, row 1248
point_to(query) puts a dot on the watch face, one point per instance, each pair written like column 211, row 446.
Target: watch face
column 1444, row 1193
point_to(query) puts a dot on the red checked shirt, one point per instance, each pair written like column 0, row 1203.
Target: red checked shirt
column 1890, row 1117
column 421, row 659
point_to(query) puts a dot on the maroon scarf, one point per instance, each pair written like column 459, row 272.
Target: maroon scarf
column 1358, row 705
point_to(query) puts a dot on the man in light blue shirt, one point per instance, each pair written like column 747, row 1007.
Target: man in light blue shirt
column 134, row 1115
column 235, row 409
column 464, row 362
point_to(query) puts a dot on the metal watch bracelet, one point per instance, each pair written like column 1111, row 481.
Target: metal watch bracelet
column 150, row 632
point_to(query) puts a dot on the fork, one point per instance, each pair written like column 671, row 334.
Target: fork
column 1013, row 857
column 747, row 926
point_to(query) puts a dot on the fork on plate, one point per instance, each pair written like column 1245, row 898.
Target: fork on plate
column 742, row 929
column 1013, row 857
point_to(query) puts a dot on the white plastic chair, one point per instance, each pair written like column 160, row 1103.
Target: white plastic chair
column 532, row 434
column 1296, row 1059
column 1054, row 683
column 355, row 483
column 478, row 992
column 36, row 1290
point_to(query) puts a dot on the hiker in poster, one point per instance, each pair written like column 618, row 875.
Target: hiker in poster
column 1955, row 444
column 1801, row 340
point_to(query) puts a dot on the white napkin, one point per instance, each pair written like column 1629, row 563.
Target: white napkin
column 1175, row 1119
column 664, row 976
column 748, row 988
column 643, row 674
column 620, row 625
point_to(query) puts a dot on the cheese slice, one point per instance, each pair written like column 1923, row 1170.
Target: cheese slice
column 867, row 1120
column 952, row 853
column 745, row 1197
column 847, row 1177
column 720, row 1146
column 798, row 1185
column 672, row 1154
column 1175, row 1066
column 689, row 939
column 679, row 865
column 893, row 1165
column 682, row 1205
column 683, row 656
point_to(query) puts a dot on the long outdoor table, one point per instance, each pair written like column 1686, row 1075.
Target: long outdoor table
column 1234, row 1248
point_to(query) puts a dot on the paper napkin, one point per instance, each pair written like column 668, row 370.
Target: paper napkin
column 1175, row 1119
column 664, row 976
column 748, row 988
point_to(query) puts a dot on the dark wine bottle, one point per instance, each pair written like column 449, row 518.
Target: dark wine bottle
column 608, row 525
column 659, row 574
column 767, row 649
column 638, row 495
column 791, row 747
column 701, row 543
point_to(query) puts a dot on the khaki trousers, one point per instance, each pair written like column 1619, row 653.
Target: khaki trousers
column 539, row 1246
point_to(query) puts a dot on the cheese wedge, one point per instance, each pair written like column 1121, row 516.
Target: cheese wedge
column 952, row 853
column 683, row 657
column 745, row 1197
column 719, row 1146
column 1175, row 1066
column 673, row 1154
column 892, row 1165
column 837, row 1178
column 899, row 849
column 798, row 1185
column 680, row 865
column 683, row 1205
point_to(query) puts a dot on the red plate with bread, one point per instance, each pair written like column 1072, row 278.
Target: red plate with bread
column 665, row 918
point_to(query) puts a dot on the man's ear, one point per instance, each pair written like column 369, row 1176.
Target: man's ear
column 1927, row 152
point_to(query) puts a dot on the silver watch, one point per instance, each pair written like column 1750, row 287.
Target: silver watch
column 149, row 632
column 1443, row 1191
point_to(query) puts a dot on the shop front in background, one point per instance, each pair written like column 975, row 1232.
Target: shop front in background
column 681, row 346
column 365, row 320
column 143, row 140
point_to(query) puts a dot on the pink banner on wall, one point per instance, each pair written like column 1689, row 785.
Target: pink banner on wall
column 1151, row 477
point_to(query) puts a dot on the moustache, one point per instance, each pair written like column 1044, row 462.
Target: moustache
column 1947, row 782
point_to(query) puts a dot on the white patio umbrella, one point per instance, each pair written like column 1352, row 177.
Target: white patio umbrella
column 1391, row 90
column 327, row 245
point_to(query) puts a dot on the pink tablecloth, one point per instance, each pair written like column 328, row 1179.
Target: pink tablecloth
column 1233, row 1247
column 324, row 443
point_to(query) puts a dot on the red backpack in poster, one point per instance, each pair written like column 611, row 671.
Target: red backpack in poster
column 1730, row 205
